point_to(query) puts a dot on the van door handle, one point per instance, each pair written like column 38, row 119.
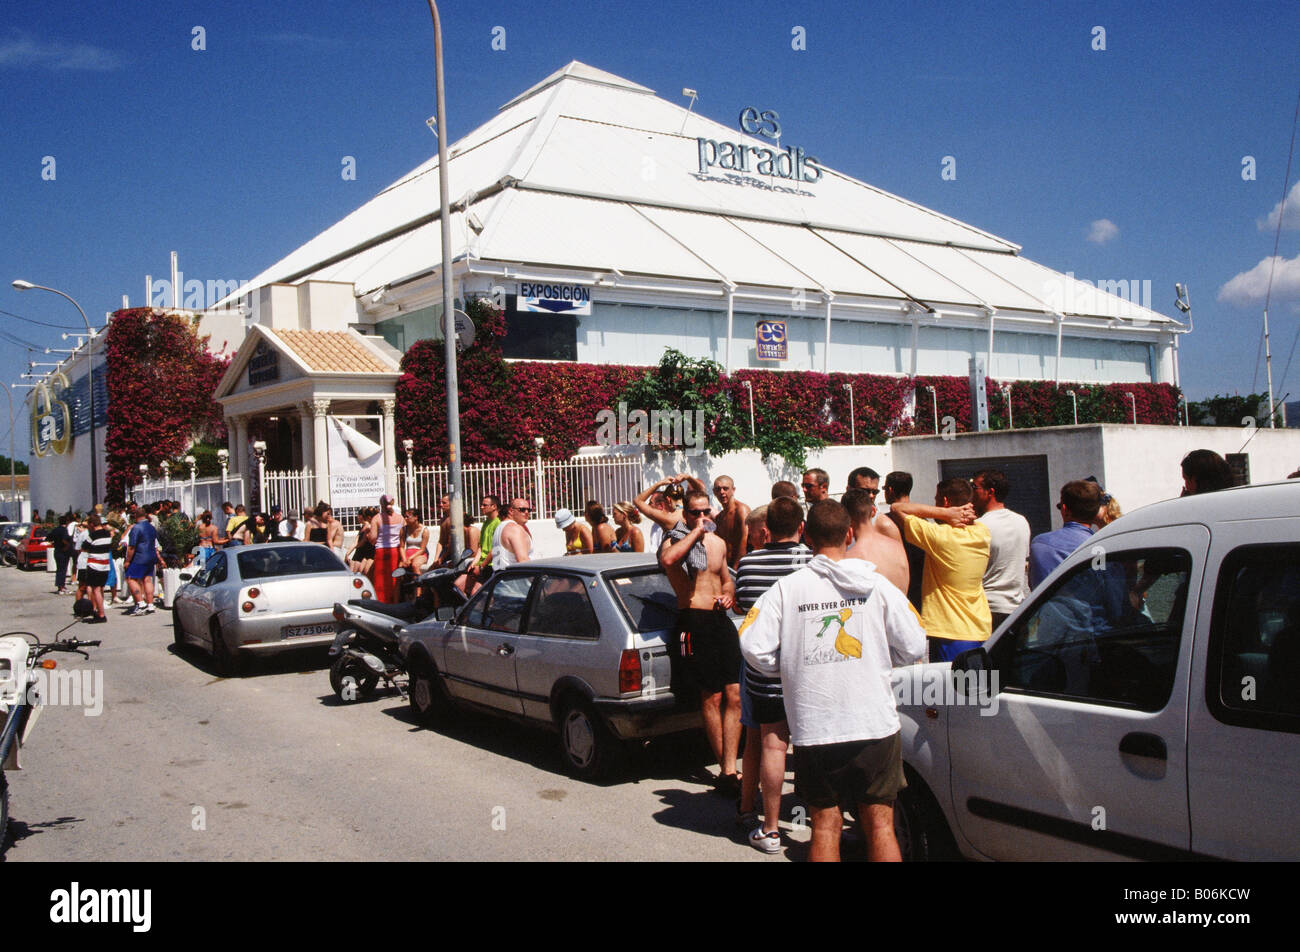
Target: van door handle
column 505, row 651
column 1144, row 745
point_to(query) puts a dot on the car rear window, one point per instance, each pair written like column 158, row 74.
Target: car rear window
column 278, row 561
column 647, row 598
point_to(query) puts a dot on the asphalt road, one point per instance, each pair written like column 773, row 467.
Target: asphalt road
column 183, row 765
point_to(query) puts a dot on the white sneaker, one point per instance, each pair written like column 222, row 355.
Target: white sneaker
column 765, row 842
column 147, row 610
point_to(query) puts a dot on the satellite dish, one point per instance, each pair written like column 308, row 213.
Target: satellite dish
column 464, row 328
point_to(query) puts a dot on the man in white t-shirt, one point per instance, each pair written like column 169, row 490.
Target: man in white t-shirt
column 833, row 630
column 1005, row 581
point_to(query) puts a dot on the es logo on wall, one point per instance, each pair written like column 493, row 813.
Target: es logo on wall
column 770, row 338
column 51, row 419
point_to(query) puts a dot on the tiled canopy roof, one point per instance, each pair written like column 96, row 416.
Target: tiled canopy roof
column 333, row 352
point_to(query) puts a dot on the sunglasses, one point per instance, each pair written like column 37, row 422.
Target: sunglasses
column 697, row 512
column 871, row 492
column 808, row 485
column 522, row 508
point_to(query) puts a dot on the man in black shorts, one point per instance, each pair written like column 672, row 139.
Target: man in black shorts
column 695, row 561
column 833, row 630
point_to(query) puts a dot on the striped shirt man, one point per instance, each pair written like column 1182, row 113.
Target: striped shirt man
column 755, row 574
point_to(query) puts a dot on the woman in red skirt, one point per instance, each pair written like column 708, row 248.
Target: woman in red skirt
column 386, row 530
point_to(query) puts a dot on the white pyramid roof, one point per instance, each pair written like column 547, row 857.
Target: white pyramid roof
column 588, row 170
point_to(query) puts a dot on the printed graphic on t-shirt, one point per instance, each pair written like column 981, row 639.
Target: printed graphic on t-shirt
column 826, row 640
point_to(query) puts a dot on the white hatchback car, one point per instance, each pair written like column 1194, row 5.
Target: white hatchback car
column 1142, row 703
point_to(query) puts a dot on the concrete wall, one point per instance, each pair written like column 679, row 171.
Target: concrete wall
column 1073, row 452
column 1138, row 465
column 1142, row 461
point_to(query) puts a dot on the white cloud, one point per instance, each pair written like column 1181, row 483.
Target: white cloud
column 22, row 51
column 1102, row 231
column 1250, row 287
column 1292, row 219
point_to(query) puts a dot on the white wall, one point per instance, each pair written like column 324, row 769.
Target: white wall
column 1142, row 462
column 1138, row 465
column 637, row 334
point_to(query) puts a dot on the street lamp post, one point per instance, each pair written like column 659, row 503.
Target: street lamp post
column 408, row 447
column 1133, row 400
column 167, row 477
column 259, row 450
column 13, row 484
column 144, row 478
column 20, row 285
column 934, row 397
column 1006, row 392
column 853, row 433
column 194, row 499
column 448, row 306
column 749, row 388
column 538, row 443
column 1074, row 399
column 223, row 457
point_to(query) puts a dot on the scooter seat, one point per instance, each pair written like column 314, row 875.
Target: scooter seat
column 402, row 611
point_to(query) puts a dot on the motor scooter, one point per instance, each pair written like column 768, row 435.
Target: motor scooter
column 20, row 700
column 365, row 643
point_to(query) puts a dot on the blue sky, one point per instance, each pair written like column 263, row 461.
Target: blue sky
column 1122, row 163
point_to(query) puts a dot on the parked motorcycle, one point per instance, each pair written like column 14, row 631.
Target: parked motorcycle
column 365, row 644
column 20, row 703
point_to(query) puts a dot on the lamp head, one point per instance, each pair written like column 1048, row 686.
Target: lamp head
column 538, row 442
column 20, row 285
column 223, row 455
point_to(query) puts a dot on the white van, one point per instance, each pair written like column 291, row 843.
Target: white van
column 1142, row 703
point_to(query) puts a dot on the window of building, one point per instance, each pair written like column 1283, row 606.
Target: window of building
column 539, row 336
column 405, row 329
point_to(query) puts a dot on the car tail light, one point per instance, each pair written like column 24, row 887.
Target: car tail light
column 247, row 606
column 367, row 594
column 629, row 671
column 357, row 583
column 254, row 592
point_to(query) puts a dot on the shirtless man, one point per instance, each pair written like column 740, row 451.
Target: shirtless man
column 731, row 519
column 871, row 544
column 868, row 480
column 695, row 562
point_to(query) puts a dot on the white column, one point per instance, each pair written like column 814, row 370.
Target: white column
column 320, row 448
column 235, row 441
column 390, row 446
column 826, row 354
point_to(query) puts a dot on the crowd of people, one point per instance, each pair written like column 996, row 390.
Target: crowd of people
column 835, row 593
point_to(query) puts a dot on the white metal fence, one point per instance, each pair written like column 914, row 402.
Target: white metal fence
column 548, row 484
column 206, row 494
column 292, row 490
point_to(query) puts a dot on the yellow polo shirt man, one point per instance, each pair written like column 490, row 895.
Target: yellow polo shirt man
column 954, row 609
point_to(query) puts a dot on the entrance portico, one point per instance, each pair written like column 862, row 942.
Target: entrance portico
column 283, row 386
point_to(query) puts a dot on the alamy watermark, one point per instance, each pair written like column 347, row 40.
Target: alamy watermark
column 941, row 687
column 68, row 687
column 1064, row 296
column 662, row 428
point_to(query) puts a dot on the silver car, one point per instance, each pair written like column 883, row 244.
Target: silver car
column 260, row 599
column 579, row 644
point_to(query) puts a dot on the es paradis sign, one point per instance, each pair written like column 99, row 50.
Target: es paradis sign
column 788, row 163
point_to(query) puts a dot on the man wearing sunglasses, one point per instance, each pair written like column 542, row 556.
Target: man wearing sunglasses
column 516, row 542
column 695, row 561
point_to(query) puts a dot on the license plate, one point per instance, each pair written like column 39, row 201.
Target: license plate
column 304, row 631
